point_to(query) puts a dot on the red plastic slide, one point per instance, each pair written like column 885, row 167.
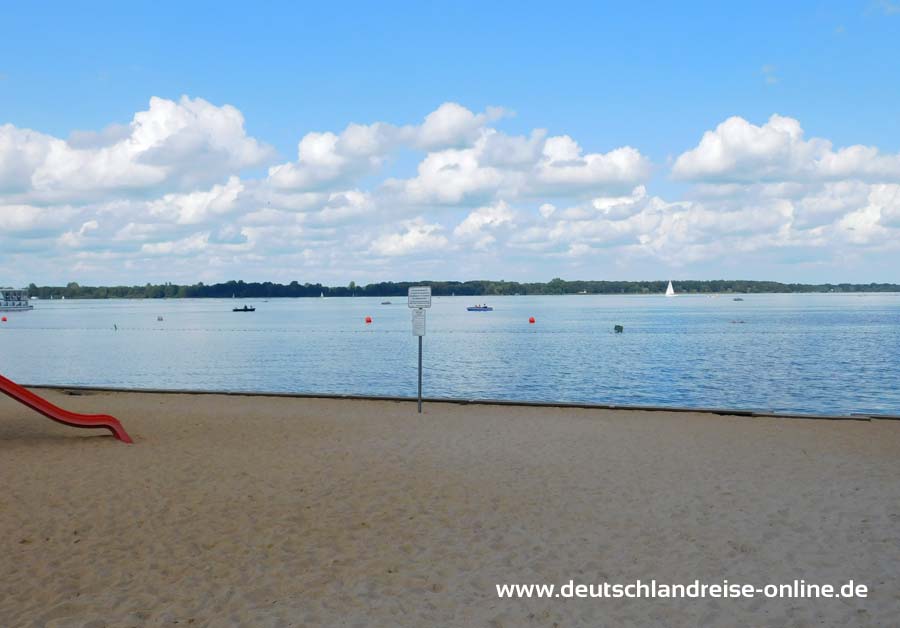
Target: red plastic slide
column 23, row 395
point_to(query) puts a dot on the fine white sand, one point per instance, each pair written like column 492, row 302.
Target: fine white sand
column 262, row 511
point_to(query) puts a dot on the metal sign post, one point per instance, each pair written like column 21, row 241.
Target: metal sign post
column 420, row 374
column 418, row 299
column 418, row 329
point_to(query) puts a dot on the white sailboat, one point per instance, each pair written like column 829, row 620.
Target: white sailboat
column 670, row 291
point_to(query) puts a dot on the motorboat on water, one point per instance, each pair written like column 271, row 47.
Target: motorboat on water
column 480, row 308
column 385, row 302
column 246, row 308
column 14, row 300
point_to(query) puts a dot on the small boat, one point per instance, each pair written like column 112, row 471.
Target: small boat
column 582, row 292
column 246, row 308
column 737, row 299
column 385, row 302
column 670, row 291
column 480, row 308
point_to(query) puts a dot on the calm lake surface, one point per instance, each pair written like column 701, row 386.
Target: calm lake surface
column 822, row 353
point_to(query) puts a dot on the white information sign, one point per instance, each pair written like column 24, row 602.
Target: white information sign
column 419, row 296
column 418, row 321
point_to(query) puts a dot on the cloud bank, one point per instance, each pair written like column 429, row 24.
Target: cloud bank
column 183, row 193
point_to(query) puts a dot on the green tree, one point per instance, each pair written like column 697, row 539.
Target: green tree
column 556, row 286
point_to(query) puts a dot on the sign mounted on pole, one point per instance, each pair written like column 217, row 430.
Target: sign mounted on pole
column 418, row 321
column 419, row 296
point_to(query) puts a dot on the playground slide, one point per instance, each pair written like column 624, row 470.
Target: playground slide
column 39, row 404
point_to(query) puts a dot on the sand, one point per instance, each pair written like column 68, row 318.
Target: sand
column 262, row 511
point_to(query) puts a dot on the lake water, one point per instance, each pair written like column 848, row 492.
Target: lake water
column 822, row 353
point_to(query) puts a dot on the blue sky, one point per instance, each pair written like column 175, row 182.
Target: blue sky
column 652, row 76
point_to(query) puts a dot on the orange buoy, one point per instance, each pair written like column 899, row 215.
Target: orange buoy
column 531, row 320
column 368, row 319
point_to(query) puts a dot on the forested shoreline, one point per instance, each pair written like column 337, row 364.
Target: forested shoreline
column 244, row 290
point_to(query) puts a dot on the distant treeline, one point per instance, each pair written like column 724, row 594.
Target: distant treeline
column 243, row 290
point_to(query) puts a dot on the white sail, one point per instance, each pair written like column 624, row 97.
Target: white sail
column 670, row 291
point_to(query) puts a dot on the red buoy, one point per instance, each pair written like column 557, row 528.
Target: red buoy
column 368, row 319
column 531, row 320
column 3, row 319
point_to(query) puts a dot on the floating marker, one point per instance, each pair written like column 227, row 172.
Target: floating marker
column 3, row 319
column 531, row 320
column 368, row 319
column 618, row 329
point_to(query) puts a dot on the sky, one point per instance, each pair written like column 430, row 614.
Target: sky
column 338, row 142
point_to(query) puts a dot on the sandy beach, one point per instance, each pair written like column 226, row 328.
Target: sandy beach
column 264, row 511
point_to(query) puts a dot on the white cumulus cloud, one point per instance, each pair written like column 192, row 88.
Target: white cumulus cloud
column 417, row 236
column 478, row 227
column 325, row 159
column 777, row 151
column 171, row 145
column 448, row 195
